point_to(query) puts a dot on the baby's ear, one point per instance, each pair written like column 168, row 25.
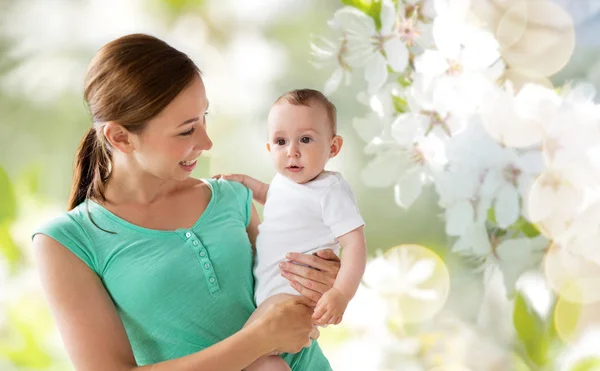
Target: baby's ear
column 336, row 146
column 268, row 146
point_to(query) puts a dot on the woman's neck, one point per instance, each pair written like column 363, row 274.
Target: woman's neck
column 130, row 184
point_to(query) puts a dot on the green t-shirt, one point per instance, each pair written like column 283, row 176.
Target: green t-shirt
column 177, row 292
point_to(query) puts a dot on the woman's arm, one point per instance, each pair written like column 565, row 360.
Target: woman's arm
column 95, row 338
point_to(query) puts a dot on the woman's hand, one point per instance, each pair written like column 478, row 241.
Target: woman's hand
column 285, row 322
column 311, row 275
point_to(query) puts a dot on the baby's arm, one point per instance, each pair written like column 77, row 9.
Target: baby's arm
column 258, row 188
column 333, row 303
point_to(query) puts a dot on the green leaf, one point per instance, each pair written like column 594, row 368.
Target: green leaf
column 491, row 215
column 531, row 330
column 400, row 104
column 8, row 203
column 181, row 6
column 567, row 318
column 372, row 8
column 8, row 248
column 23, row 343
column 528, row 229
column 404, row 81
column 587, row 364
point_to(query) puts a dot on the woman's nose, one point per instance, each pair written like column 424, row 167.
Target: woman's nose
column 204, row 142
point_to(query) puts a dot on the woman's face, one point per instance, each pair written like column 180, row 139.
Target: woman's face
column 171, row 142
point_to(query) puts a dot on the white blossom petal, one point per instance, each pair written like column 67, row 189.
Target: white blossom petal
column 517, row 256
column 388, row 16
column 421, row 294
column 507, row 208
column 475, row 241
column 408, row 189
column 431, row 63
column 421, row 271
column 368, row 127
column 407, row 127
column 334, row 81
column 354, row 21
column 459, row 217
column 397, row 54
column 447, row 35
column 376, row 72
column 383, row 171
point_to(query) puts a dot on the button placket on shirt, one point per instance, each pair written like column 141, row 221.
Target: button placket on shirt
column 206, row 264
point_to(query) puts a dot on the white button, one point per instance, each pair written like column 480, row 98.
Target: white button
column 195, row 243
column 206, row 265
column 188, row 235
column 212, row 280
column 202, row 253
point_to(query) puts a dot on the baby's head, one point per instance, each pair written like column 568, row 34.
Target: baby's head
column 302, row 134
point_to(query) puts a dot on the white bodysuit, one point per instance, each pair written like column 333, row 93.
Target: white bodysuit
column 302, row 218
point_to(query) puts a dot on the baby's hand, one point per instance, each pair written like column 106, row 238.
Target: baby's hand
column 234, row 177
column 330, row 308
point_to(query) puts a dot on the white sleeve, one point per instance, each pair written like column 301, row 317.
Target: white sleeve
column 340, row 210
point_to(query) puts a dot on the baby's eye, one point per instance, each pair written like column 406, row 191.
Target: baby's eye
column 280, row 142
column 305, row 140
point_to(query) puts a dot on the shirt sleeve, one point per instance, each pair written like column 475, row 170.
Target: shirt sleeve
column 243, row 196
column 66, row 231
column 340, row 210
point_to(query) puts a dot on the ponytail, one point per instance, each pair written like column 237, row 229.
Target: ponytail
column 92, row 169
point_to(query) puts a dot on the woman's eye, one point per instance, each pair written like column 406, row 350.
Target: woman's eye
column 280, row 142
column 189, row 132
column 305, row 140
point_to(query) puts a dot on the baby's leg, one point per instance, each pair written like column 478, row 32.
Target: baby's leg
column 268, row 363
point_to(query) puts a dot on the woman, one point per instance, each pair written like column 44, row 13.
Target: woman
column 151, row 268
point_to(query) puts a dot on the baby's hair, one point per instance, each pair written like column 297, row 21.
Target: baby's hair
column 304, row 97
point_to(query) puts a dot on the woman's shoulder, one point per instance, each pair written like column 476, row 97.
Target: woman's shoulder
column 232, row 196
column 67, row 220
column 70, row 230
column 224, row 189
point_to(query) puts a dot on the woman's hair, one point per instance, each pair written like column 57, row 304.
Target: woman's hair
column 129, row 81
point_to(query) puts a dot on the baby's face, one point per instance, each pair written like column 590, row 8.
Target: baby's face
column 300, row 140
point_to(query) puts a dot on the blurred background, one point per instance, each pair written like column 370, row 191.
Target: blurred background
column 250, row 51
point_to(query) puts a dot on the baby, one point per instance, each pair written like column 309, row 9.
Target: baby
column 307, row 208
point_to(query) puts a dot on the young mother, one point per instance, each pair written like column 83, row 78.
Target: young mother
column 151, row 269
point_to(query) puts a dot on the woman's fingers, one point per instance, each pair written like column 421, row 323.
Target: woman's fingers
column 309, row 273
column 320, row 310
column 311, row 295
column 328, row 254
column 311, row 285
column 304, row 300
column 324, row 261
column 315, row 333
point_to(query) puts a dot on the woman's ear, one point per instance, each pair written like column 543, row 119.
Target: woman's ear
column 118, row 137
column 336, row 145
